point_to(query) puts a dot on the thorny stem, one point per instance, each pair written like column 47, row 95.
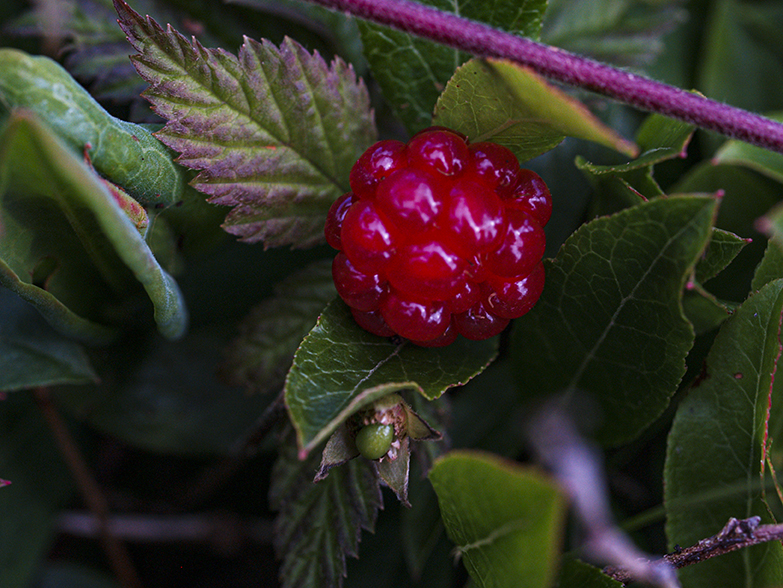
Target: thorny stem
column 736, row 534
column 91, row 492
column 638, row 91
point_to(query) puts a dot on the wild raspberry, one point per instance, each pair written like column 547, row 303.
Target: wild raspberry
column 439, row 238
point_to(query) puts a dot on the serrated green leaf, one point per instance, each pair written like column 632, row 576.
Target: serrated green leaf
column 261, row 355
column 56, row 212
column 723, row 248
column 117, row 148
column 718, row 442
column 506, row 520
column 32, row 354
column 273, row 131
column 319, row 524
column 610, row 321
column 40, row 486
column 511, row 105
column 412, row 72
column 340, row 367
column 746, row 196
column 625, row 32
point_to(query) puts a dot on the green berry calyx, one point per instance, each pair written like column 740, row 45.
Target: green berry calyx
column 374, row 441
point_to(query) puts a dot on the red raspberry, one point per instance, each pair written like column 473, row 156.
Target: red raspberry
column 439, row 238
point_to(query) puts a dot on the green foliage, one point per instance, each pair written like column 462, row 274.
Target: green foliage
column 32, row 354
column 413, row 72
column 625, row 32
column 115, row 146
column 718, row 450
column 284, row 127
column 610, row 323
column 659, row 326
column 261, row 355
column 505, row 520
column 319, row 525
column 501, row 102
column 60, row 219
column 340, row 368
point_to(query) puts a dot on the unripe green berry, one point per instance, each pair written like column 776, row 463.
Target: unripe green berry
column 373, row 441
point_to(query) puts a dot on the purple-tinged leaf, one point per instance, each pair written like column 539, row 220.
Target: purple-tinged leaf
column 272, row 131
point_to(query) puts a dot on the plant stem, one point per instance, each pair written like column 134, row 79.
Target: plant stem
column 551, row 62
column 736, row 534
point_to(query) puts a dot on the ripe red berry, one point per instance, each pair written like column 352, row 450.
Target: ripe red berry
column 376, row 164
column 359, row 290
column 439, row 238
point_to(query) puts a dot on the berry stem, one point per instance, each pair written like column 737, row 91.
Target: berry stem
column 557, row 64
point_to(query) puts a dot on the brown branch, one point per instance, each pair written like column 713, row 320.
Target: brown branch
column 736, row 534
column 578, row 468
column 91, row 492
column 223, row 531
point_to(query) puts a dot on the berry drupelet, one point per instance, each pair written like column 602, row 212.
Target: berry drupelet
column 439, row 238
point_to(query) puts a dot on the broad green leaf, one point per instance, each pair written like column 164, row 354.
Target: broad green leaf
column 506, row 520
column 319, row 524
column 67, row 246
column 32, row 354
column 340, row 367
column 509, row 104
column 619, row 186
column 272, row 131
column 761, row 160
column 261, row 355
column 412, row 72
column 716, row 450
column 117, row 148
column 624, row 32
column 40, row 486
column 610, row 322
